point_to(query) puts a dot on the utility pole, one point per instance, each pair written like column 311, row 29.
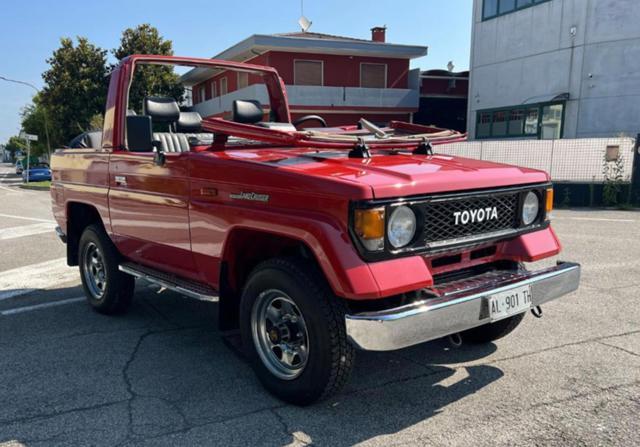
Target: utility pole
column 28, row 138
column 28, row 157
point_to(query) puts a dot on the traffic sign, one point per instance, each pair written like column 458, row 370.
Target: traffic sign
column 29, row 136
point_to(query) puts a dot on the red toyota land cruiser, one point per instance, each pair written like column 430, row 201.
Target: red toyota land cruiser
column 316, row 241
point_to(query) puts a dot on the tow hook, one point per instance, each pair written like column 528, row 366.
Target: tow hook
column 536, row 311
column 455, row 340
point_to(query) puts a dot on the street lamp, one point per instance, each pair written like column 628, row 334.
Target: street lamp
column 44, row 110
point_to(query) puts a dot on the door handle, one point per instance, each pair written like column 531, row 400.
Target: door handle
column 121, row 180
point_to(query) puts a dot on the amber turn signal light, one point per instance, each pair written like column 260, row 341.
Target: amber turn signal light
column 549, row 200
column 369, row 224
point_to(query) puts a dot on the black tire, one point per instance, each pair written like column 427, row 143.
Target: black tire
column 492, row 331
column 116, row 293
column 330, row 356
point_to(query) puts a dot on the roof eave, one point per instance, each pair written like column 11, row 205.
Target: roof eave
column 263, row 42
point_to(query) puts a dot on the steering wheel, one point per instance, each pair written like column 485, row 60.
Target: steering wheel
column 317, row 118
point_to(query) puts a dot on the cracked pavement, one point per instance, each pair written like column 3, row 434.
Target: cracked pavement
column 161, row 374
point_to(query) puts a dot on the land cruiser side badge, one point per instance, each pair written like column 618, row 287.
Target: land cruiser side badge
column 250, row 196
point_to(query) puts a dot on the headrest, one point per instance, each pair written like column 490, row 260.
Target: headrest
column 189, row 122
column 91, row 139
column 247, row 111
column 161, row 109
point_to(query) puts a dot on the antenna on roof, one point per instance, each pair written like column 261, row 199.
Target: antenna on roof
column 304, row 23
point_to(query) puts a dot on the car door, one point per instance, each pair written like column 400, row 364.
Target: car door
column 149, row 210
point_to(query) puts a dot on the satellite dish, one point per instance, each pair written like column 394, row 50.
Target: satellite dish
column 304, row 23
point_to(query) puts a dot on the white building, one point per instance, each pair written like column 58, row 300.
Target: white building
column 554, row 69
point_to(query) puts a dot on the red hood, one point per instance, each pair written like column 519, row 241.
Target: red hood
column 395, row 175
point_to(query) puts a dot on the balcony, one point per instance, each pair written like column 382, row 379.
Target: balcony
column 315, row 96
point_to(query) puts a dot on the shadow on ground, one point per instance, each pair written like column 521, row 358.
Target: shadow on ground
column 162, row 375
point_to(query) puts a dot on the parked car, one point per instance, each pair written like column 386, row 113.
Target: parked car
column 38, row 172
column 19, row 167
column 314, row 242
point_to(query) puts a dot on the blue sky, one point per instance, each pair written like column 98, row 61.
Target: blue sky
column 31, row 30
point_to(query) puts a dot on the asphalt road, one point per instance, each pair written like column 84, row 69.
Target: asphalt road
column 162, row 376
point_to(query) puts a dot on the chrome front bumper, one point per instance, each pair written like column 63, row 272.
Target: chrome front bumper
column 454, row 307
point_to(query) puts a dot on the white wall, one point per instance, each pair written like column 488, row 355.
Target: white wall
column 531, row 56
column 566, row 160
column 303, row 95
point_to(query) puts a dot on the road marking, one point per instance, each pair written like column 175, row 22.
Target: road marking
column 19, row 310
column 23, row 280
column 26, row 230
column 595, row 219
column 4, row 177
column 35, row 219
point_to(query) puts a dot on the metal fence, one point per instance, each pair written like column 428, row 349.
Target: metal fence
column 569, row 161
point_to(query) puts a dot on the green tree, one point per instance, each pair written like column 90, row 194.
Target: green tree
column 75, row 88
column 15, row 144
column 149, row 79
column 33, row 122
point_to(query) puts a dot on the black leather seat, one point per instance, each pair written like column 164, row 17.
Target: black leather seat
column 190, row 125
column 92, row 139
column 164, row 110
column 249, row 111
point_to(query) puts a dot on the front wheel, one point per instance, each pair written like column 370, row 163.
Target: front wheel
column 293, row 331
column 108, row 290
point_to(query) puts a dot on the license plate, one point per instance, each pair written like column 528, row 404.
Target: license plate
column 510, row 302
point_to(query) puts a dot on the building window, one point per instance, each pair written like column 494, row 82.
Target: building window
column 308, row 72
column 544, row 121
column 223, row 86
column 373, row 75
column 483, row 128
column 516, row 122
column 214, row 90
column 490, row 9
column 506, row 6
column 201, row 94
column 551, row 122
column 243, row 80
column 495, row 8
column 531, row 122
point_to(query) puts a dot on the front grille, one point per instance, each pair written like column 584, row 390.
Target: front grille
column 440, row 232
column 440, row 225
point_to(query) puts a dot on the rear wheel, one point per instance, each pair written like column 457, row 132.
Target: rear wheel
column 108, row 290
column 293, row 331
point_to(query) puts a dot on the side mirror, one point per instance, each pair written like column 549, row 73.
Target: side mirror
column 159, row 159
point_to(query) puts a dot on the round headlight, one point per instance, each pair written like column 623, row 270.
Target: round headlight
column 402, row 226
column 530, row 208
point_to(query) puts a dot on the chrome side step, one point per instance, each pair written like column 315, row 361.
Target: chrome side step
column 170, row 282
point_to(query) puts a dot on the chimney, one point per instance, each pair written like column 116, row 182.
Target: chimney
column 378, row 33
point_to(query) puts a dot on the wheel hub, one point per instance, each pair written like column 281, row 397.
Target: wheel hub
column 274, row 335
column 280, row 334
column 95, row 273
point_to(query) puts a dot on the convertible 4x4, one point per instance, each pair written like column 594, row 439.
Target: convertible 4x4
column 315, row 241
